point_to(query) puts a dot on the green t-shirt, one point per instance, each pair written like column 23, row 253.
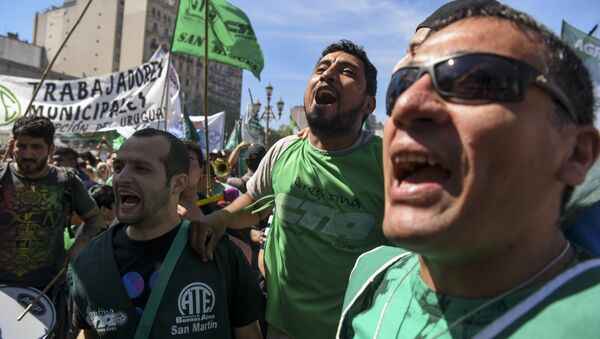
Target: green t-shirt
column 328, row 210
column 398, row 304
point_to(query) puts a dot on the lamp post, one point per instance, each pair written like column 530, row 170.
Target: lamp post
column 268, row 114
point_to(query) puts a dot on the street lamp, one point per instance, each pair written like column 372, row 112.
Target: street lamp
column 268, row 112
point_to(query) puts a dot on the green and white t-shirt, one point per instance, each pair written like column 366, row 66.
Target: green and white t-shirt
column 387, row 298
column 328, row 210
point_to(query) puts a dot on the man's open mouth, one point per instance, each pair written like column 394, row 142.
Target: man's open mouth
column 414, row 168
column 127, row 199
column 325, row 96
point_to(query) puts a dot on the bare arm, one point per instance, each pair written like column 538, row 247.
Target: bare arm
column 93, row 222
column 250, row 331
column 233, row 158
column 88, row 334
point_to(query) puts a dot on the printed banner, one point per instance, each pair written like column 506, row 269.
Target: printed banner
column 127, row 98
column 252, row 130
column 216, row 130
column 588, row 49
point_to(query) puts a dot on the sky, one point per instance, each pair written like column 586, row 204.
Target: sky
column 292, row 34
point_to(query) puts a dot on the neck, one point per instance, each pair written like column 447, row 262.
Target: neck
column 152, row 229
column 37, row 175
column 189, row 194
column 495, row 274
column 327, row 142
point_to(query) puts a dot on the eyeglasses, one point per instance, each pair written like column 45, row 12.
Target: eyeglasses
column 476, row 76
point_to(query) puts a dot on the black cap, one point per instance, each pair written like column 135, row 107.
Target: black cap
column 454, row 6
column 256, row 151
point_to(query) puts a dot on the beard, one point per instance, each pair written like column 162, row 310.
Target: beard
column 146, row 216
column 30, row 166
column 339, row 124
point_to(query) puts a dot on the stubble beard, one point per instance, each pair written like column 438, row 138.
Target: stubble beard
column 37, row 168
column 148, row 217
column 339, row 124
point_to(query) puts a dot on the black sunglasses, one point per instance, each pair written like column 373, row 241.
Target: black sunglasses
column 476, row 76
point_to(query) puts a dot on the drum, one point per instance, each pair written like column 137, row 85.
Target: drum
column 37, row 323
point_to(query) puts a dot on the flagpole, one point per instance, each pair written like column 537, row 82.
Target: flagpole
column 47, row 70
column 593, row 30
column 168, row 80
column 206, row 18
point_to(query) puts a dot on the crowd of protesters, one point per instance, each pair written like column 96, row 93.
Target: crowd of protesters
column 464, row 220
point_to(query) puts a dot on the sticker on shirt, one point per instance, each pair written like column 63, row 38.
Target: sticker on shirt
column 106, row 320
column 196, row 303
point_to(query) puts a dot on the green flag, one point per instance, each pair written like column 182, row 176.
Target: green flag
column 235, row 138
column 588, row 49
column 117, row 142
column 231, row 38
column 189, row 130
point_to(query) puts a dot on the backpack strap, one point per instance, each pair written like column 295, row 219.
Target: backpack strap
column 66, row 177
column 4, row 168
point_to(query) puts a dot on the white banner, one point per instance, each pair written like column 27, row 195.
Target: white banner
column 216, row 130
column 174, row 119
column 127, row 98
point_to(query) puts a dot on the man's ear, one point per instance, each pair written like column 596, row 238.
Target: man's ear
column 370, row 104
column 178, row 183
column 583, row 155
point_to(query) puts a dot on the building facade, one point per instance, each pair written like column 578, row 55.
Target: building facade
column 119, row 34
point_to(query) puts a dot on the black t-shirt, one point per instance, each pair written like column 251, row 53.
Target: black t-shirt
column 139, row 262
column 33, row 214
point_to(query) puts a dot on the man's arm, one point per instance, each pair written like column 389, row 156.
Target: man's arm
column 206, row 232
column 92, row 223
column 234, row 157
column 88, row 334
column 250, row 331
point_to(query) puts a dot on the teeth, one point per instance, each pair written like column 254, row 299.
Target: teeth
column 414, row 159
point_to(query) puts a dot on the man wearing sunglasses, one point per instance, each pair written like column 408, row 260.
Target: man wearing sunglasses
column 581, row 217
column 490, row 128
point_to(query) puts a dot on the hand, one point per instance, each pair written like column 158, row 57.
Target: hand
column 243, row 144
column 206, row 232
column 256, row 236
column 189, row 210
column 303, row 134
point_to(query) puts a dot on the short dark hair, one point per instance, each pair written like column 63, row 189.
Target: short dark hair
column 351, row 48
column 66, row 152
column 176, row 161
column 35, row 127
column 561, row 64
column 103, row 195
column 195, row 147
column 254, row 155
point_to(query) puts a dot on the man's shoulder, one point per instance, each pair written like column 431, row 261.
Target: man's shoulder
column 95, row 247
column 371, row 264
column 566, row 306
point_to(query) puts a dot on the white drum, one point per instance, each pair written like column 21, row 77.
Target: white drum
column 37, row 323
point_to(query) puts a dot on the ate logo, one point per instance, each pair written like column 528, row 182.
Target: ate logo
column 10, row 108
column 196, row 299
